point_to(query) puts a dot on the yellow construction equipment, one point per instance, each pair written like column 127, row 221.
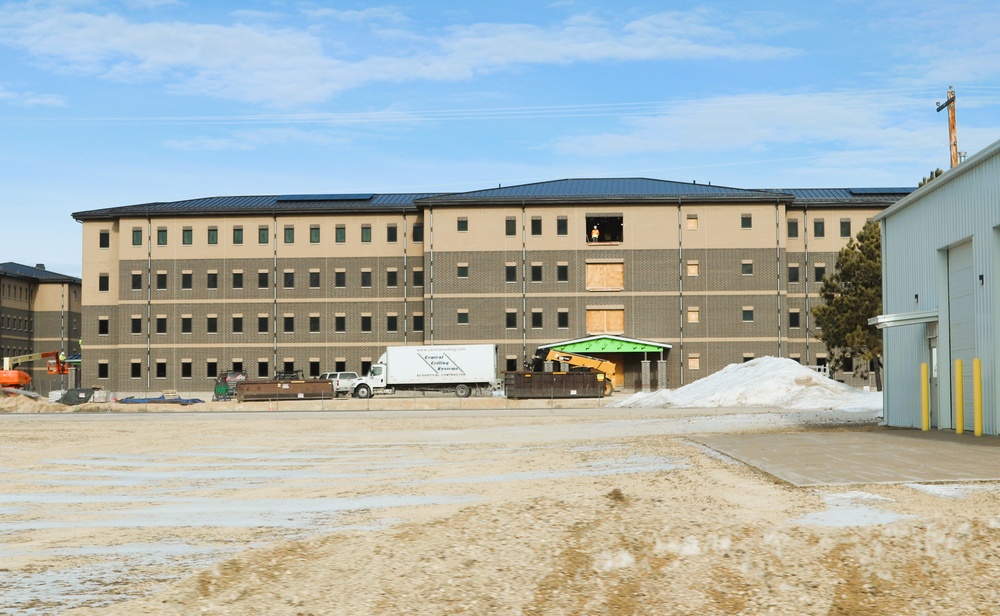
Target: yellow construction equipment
column 19, row 379
column 603, row 367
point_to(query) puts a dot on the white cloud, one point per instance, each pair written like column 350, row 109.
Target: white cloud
column 389, row 14
column 287, row 67
column 30, row 99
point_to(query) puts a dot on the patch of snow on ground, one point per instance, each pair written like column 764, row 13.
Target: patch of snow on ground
column 766, row 381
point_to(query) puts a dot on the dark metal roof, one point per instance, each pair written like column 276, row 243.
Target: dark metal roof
column 842, row 196
column 34, row 273
column 285, row 204
column 605, row 189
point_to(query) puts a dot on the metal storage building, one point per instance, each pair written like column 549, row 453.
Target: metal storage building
column 941, row 293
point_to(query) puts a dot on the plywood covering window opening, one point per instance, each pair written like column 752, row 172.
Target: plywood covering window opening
column 692, row 222
column 603, row 228
column 605, row 275
column 693, row 268
column 693, row 314
column 605, row 319
column 694, row 361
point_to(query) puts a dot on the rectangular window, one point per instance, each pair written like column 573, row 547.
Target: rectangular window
column 510, row 319
column 340, row 279
column 262, row 280
column 187, row 281
column 288, row 280
column 391, row 323
column 694, row 361
column 390, row 233
column 366, row 323
column 289, row 324
column 211, row 369
column 103, row 326
column 536, row 272
column 793, row 227
column 462, row 317
column 185, row 324
column 185, row 368
column 510, row 226
column 793, row 319
column 536, row 225
column 463, row 270
column 845, row 227
column 340, row 234
column 418, row 277
column 161, row 236
column 289, row 236
column 562, row 319
column 693, row 314
column 237, row 235
column 161, row 281
column 103, row 282
column 340, row 323
column 692, row 222
column 418, row 322
column 366, row 234
column 161, row 369
column 262, row 324
column 562, row 272
column 418, row 232
column 510, row 273
column 161, row 324
column 262, row 369
column 746, row 221
column 693, row 268
column 820, row 272
column 136, row 236
column 819, row 228
column 536, row 319
column 747, row 314
column 313, row 368
column 391, row 278
column 136, row 282
column 605, row 228
column 605, row 276
column 187, row 236
column 237, row 280
column 314, row 234
column 213, row 235
column 104, row 239
column 463, row 224
column 135, row 370
column 103, row 370
column 263, row 235
column 746, row 268
column 237, row 325
column 313, row 280
column 212, row 324
column 562, row 226
column 212, row 280
column 366, row 279
column 793, row 273
column 136, row 325
column 314, row 324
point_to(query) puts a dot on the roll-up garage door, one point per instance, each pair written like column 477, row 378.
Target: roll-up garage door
column 962, row 323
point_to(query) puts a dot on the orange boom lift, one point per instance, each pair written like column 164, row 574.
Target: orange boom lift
column 19, row 379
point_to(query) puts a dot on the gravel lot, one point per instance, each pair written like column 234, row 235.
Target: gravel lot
column 591, row 511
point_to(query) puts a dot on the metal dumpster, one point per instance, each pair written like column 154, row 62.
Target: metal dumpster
column 249, row 391
column 520, row 385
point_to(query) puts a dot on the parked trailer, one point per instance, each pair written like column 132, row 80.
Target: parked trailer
column 459, row 368
column 521, row 385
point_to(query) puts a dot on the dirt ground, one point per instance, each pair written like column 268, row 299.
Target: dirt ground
column 530, row 513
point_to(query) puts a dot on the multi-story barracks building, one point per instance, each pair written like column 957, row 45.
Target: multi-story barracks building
column 674, row 279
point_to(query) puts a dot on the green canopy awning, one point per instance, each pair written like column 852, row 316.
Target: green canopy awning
column 607, row 344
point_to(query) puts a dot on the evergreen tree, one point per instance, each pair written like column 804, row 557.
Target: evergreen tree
column 852, row 295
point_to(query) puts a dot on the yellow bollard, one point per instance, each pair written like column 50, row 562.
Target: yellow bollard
column 959, row 398
column 925, row 398
column 977, row 397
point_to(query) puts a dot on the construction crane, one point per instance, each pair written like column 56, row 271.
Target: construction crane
column 19, row 379
column 582, row 362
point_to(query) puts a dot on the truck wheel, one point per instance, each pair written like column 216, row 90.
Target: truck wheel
column 363, row 391
column 463, row 391
column 609, row 387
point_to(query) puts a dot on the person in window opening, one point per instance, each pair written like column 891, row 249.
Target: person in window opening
column 595, row 235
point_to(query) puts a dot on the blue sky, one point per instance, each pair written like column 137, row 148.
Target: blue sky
column 108, row 103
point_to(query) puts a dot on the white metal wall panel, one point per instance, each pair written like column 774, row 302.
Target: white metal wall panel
column 961, row 206
column 962, row 320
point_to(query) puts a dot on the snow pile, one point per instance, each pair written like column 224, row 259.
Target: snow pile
column 766, row 381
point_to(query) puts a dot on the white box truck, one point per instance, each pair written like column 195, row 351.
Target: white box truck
column 459, row 368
